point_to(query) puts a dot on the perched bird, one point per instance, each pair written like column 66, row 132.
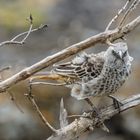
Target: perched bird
column 96, row 74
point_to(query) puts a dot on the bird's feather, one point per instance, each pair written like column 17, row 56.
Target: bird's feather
column 81, row 66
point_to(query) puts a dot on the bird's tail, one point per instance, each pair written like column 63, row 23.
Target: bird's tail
column 53, row 77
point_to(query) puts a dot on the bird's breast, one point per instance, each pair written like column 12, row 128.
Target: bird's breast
column 113, row 79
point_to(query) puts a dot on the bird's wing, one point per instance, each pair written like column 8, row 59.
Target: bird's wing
column 83, row 65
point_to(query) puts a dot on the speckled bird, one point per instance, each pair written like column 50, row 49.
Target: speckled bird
column 97, row 74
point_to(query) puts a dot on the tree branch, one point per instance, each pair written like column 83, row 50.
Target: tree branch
column 36, row 107
column 129, row 10
column 81, row 125
column 27, row 33
column 117, row 15
column 50, row 60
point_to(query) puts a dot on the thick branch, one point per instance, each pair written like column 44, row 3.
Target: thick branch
column 81, row 125
column 50, row 60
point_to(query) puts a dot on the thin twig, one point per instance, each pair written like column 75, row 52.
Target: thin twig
column 27, row 33
column 129, row 10
column 33, row 30
column 47, row 83
column 33, row 102
column 9, row 42
column 13, row 41
column 5, row 68
column 30, row 29
column 1, row 72
column 117, row 15
column 108, row 42
column 14, row 101
column 76, row 116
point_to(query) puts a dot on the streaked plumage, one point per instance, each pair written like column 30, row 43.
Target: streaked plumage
column 82, row 66
column 97, row 74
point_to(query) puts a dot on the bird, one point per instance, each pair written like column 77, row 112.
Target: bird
column 91, row 75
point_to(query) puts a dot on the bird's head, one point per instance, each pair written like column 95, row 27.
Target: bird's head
column 117, row 54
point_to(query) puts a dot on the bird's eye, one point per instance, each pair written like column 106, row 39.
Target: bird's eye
column 124, row 54
column 115, row 53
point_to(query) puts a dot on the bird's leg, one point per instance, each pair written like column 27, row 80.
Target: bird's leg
column 95, row 113
column 94, row 109
column 116, row 102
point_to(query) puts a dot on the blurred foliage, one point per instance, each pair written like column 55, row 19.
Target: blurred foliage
column 14, row 12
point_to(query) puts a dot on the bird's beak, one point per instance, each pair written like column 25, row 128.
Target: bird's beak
column 120, row 54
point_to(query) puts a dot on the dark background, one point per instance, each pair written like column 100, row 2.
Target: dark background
column 69, row 21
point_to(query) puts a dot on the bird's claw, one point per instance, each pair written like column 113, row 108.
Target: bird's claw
column 117, row 104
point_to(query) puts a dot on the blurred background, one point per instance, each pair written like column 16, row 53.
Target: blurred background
column 69, row 21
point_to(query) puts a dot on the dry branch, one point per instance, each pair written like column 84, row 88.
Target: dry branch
column 117, row 15
column 27, row 33
column 129, row 10
column 82, row 125
column 30, row 96
column 50, row 60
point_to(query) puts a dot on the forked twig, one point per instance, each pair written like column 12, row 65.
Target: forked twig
column 129, row 10
column 27, row 33
column 30, row 19
column 33, row 102
column 33, row 30
column 117, row 15
column 132, row 6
